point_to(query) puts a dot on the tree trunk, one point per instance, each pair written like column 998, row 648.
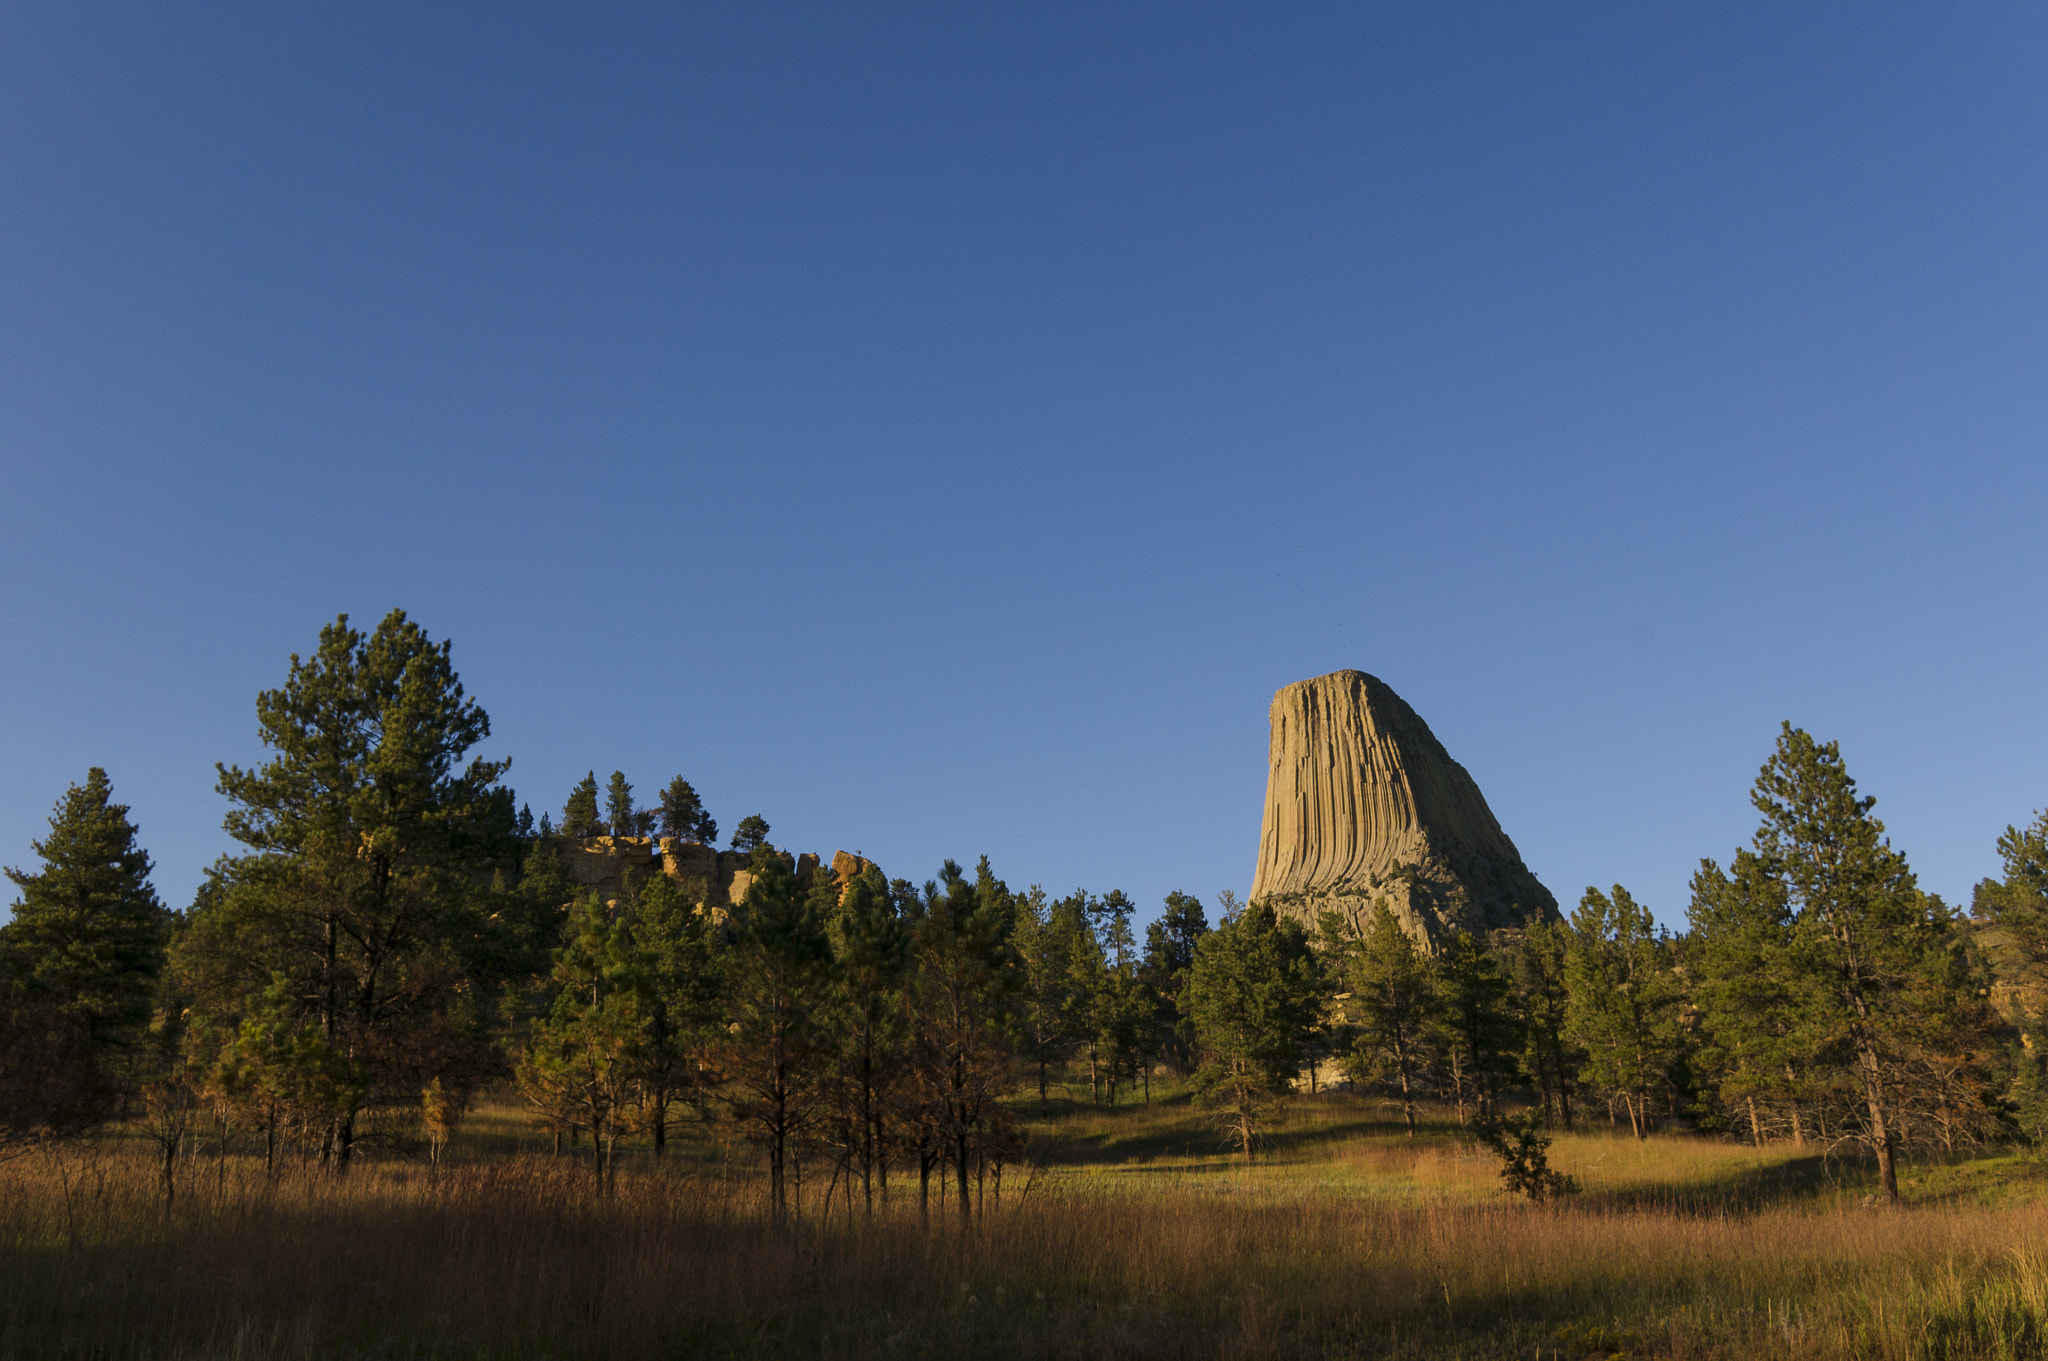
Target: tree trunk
column 1408, row 1098
column 960, row 1163
column 1880, row 1130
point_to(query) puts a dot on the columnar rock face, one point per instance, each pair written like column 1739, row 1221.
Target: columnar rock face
column 1363, row 804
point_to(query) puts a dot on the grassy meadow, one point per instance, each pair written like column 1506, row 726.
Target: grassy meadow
column 1130, row 1233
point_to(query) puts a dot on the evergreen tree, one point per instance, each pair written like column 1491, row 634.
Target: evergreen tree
column 751, row 834
column 1395, row 1003
column 962, row 998
column 1170, row 944
column 1624, row 1000
column 870, row 954
column 771, row 1054
column 373, row 851
column 678, row 995
column 1480, row 1033
column 1050, row 938
column 1120, row 1012
column 579, row 814
column 1878, row 962
column 1542, row 995
column 88, row 929
column 583, row 1064
column 619, row 814
column 2014, row 912
column 1253, row 998
column 1748, row 1000
column 683, row 815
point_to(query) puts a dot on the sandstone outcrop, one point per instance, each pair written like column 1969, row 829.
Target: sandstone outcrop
column 1363, row 804
column 602, row 863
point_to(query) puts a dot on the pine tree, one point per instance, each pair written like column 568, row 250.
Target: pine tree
column 579, row 814
column 1624, row 1000
column 618, row 806
column 1121, row 1014
column 374, row 848
column 1050, row 937
column 88, row 929
column 962, row 998
column 683, row 815
column 678, row 995
column 1480, row 1033
column 1253, row 999
column 583, row 1065
column 1876, row 960
column 870, row 954
column 1749, row 1002
column 1170, row 944
column 771, row 1055
column 751, row 834
column 1395, row 1003
column 2014, row 910
column 1542, row 995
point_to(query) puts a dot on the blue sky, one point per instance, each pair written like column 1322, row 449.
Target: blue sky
column 940, row 429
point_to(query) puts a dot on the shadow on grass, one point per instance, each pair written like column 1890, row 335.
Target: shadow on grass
column 1809, row 1178
column 1080, row 1134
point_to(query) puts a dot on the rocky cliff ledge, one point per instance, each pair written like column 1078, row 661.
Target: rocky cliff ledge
column 1363, row 804
column 601, row 863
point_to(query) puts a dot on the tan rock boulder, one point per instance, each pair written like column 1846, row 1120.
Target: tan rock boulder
column 689, row 860
column 1363, row 804
column 848, row 867
column 600, row 862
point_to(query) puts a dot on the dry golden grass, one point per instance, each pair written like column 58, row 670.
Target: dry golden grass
column 1136, row 1237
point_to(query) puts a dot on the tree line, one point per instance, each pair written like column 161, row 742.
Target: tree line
column 393, row 935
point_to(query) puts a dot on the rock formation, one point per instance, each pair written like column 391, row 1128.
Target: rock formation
column 1363, row 804
column 601, row 862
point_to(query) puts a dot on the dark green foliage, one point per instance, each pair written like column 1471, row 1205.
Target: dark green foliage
column 374, row 851
column 1861, row 991
column 771, row 1056
column 619, row 814
column 1395, row 1004
column 675, row 972
column 962, row 1006
column 1624, row 997
column 682, row 814
column 2014, row 916
column 1253, row 997
column 584, row 1060
column 54, row 1083
column 1542, row 997
column 1749, row 1008
column 1052, row 940
column 579, row 814
column 1524, row 1151
column 870, row 956
column 1481, row 1035
column 1120, row 1025
column 88, row 929
column 80, row 970
column 1170, row 945
column 751, row 834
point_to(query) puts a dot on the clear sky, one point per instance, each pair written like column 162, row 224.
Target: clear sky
column 941, row 428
